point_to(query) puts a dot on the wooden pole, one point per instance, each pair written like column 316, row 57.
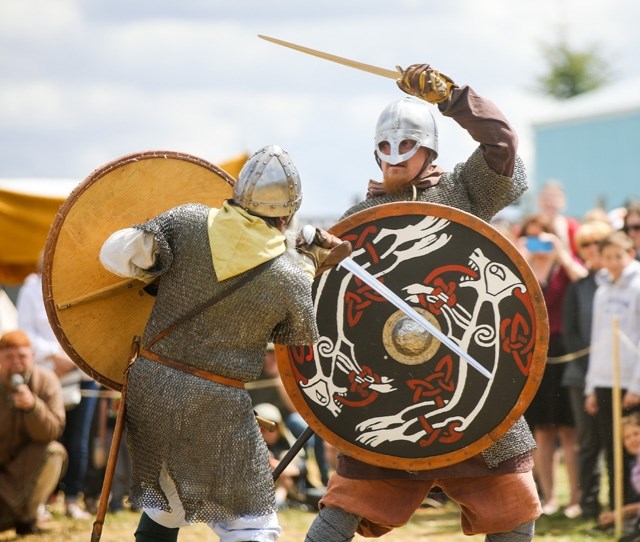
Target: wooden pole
column 96, row 532
column 616, row 405
column 293, row 451
column 101, row 292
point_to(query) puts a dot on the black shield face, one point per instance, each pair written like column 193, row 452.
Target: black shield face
column 383, row 389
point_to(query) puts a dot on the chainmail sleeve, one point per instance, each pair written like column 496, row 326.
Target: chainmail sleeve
column 487, row 191
column 161, row 228
column 299, row 326
column 518, row 440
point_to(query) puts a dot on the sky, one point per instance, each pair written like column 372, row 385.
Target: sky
column 83, row 82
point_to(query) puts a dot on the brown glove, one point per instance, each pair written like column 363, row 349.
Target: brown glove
column 422, row 81
column 322, row 248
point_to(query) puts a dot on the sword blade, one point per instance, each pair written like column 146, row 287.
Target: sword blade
column 390, row 296
column 384, row 72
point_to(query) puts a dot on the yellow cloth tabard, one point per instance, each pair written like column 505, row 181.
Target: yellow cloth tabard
column 240, row 241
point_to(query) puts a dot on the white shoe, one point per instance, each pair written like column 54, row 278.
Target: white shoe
column 549, row 509
column 44, row 514
column 75, row 512
column 573, row 511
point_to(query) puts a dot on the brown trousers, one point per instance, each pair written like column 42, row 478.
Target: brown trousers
column 23, row 490
column 488, row 504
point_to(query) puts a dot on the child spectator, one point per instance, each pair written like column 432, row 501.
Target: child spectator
column 617, row 298
column 631, row 442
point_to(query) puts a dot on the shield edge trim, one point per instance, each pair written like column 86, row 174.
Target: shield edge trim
column 537, row 364
column 57, row 224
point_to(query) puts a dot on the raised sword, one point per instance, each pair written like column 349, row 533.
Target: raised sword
column 384, row 72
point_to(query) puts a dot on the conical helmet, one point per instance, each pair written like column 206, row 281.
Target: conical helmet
column 269, row 184
column 408, row 118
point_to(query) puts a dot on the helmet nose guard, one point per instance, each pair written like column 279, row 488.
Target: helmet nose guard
column 269, row 184
column 408, row 118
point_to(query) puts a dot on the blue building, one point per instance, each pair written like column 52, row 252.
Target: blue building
column 591, row 145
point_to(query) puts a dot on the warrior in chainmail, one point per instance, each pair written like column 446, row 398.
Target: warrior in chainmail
column 227, row 284
column 495, row 489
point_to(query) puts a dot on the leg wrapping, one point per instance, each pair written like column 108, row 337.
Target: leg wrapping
column 333, row 524
column 522, row 533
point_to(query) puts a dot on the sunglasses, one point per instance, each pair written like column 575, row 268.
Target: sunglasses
column 631, row 227
column 589, row 243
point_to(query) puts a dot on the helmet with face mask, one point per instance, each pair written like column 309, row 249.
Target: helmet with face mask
column 406, row 119
column 269, row 184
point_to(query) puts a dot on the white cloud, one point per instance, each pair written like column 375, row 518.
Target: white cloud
column 24, row 20
column 33, row 104
column 85, row 81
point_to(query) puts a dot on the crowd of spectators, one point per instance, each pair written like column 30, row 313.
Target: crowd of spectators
column 589, row 275
column 65, row 431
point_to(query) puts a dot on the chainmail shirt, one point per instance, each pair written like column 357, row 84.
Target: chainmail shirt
column 205, row 433
column 473, row 187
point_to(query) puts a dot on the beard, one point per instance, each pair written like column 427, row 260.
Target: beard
column 396, row 179
column 395, row 185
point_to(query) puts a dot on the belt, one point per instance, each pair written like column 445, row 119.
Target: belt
column 191, row 370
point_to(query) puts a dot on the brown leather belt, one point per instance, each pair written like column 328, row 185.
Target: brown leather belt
column 191, row 370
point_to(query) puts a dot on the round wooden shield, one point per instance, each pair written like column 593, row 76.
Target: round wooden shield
column 96, row 314
column 380, row 387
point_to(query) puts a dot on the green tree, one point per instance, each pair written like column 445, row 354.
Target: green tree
column 572, row 71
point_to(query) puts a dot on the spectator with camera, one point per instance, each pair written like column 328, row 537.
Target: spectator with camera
column 32, row 417
column 549, row 413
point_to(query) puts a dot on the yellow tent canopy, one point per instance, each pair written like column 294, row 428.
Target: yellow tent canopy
column 25, row 220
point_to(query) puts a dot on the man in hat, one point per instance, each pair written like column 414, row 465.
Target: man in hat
column 495, row 489
column 32, row 417
column 279, row 441
column 227, row 284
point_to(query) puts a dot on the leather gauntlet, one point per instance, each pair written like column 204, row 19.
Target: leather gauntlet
column 324, row 249
column 422, row 81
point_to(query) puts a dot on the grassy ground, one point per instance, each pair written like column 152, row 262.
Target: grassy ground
column 428, row 524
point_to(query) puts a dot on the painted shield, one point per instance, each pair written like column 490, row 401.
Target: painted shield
column 95, row 314
column 382, row 389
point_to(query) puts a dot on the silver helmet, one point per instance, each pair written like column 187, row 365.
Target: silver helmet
column 269, row 184
column 408, row 118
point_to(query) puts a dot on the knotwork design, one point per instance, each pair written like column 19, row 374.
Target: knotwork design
column 380, row 387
